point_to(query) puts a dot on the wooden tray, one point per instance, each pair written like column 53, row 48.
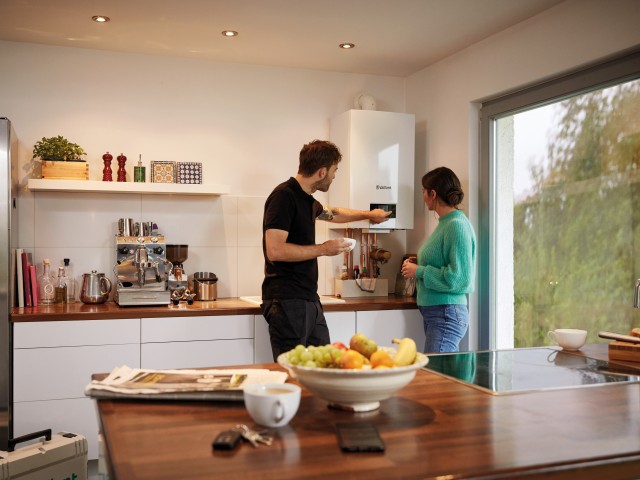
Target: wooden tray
column 624, row 351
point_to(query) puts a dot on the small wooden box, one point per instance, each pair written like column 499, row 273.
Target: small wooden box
column 624, row 351
column 60, row 170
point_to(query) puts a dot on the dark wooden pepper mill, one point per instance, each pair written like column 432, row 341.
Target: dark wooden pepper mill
column 122, row 173
column 106, row 171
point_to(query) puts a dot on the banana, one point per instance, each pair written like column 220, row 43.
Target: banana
column 407, row 352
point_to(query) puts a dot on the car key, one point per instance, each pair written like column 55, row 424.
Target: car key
column 227, row 440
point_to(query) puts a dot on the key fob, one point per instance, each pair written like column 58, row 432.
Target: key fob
column 227, row 440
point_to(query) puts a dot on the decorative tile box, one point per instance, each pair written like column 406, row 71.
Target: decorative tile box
column 189, row 172
column 59, row 170
column 163, row 172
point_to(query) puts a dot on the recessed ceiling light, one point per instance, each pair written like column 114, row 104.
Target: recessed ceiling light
column 100, row 19
column 347, row 46
column 229, row 33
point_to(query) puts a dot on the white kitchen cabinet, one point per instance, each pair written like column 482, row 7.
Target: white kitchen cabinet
column 54, row 361
column 385, row 325
column 49, row 185
column 342, row 325
column 192, row 342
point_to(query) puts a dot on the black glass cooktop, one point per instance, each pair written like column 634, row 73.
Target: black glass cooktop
column 526, row 369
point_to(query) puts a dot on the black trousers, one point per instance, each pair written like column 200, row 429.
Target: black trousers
column 294, row 322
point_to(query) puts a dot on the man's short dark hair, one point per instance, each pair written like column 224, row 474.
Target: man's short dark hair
column 317, row 154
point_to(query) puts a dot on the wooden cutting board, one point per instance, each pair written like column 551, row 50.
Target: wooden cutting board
column 624, row 351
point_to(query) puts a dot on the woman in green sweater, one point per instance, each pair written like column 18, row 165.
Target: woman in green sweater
column 445, row 268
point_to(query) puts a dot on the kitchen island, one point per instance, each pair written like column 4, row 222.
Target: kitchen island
column 433, row 428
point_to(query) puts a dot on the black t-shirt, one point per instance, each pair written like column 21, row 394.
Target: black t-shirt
column 291, row 209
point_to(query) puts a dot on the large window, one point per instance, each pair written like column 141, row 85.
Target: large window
column 561, row 233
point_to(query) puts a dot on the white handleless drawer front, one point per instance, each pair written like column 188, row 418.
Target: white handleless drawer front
column 63, row 372
column 184, row 329
column 80, row 332
column 196, row 354
column 385, row 325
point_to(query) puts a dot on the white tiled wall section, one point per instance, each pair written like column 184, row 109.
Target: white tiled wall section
column 224, row 233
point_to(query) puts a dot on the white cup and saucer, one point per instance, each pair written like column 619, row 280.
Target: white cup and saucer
column 351, row 242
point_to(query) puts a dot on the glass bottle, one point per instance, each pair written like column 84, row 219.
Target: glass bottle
column 71, row 282
column 60, row 289
column 46, row 286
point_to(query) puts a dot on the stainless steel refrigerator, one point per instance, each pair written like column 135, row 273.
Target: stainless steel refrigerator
column 8, row 243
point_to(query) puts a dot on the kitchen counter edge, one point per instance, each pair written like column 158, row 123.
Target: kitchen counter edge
column 222, row 306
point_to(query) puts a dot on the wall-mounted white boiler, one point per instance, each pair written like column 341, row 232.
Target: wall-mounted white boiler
column 377, row 167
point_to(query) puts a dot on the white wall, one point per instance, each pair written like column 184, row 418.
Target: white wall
column 245, row 123
column 445, row 97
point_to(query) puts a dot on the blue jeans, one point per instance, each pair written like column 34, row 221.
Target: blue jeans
column 444, row 327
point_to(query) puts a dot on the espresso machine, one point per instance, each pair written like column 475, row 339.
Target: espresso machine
column 141, row 267
column 178, row 282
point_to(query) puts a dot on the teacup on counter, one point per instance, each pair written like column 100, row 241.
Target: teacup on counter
column 272, row 404
column 568, row 338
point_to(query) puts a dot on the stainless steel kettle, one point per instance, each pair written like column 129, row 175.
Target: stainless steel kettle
column 95, row 288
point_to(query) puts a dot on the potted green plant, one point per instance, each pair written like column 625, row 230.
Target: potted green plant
column 61, row 159
column 58, row 149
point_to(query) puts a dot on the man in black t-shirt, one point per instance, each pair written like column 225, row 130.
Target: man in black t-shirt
column 290, row 301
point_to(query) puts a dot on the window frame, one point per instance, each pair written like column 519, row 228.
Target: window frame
column 624, row 67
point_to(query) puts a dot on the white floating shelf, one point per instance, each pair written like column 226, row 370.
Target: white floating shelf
column 45, row 185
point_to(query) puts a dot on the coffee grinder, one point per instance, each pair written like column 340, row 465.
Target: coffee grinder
column 178, row 283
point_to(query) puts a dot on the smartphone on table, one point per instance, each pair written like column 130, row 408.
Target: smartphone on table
column 359, row 437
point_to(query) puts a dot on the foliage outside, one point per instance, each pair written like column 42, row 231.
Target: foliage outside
column 577, row 237
column 57, row 148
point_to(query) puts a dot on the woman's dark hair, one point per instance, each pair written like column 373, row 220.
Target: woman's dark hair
column 446, row 184
column 317, row 154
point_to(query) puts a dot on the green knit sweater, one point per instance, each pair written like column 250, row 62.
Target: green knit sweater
column 447, row 262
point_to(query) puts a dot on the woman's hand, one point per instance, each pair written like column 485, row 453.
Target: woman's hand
column 409, row 267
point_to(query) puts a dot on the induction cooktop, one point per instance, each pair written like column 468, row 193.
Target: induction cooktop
column 521, row 370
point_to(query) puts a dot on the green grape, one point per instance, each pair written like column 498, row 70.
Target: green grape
column 306, row 356
column 294, row 358
column 327, row 358
column 318, row 355
column 299, row 349
column 310, row 364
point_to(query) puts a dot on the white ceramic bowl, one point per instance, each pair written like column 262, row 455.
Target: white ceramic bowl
column 354, row 390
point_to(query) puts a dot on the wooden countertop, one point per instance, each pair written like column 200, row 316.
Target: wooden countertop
column 223, row 306
column 433, row 428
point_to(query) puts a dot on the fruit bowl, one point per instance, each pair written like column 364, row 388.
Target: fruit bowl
column 354, row 390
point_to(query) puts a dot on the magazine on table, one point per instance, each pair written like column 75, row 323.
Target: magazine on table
column 196, row 384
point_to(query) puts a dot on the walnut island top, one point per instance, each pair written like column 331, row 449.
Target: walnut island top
column 222, row 306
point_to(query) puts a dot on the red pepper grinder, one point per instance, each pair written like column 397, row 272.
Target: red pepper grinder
column 122, row 173
column 106, row 171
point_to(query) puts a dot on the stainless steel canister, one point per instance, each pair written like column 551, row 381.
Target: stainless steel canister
column 205, row 286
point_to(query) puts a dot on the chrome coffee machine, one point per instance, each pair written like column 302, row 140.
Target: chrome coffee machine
column 141, row 269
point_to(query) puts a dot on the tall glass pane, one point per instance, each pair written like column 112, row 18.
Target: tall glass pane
column 572, row 193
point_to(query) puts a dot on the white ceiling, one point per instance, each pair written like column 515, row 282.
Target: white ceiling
column 392, row 37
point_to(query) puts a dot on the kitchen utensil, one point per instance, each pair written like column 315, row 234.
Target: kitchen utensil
column 619, row 337
column 95, row 288
column 272, row 404
column 568, row 338
column 125, row 227
column 205, row 286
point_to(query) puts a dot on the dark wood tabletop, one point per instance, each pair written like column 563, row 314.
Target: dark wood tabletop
column 433, row 428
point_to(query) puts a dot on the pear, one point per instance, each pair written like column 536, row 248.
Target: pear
column 360, row 343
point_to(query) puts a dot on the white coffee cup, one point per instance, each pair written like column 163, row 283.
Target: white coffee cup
column 351, row 242
column 568, row 338
column 272, row 404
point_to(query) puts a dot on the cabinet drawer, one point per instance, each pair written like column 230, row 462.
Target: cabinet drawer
column 171, row 329
column 77, row 415
column 385, row 325
column 216, row 353
column 80, row 332
column 57, row 373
